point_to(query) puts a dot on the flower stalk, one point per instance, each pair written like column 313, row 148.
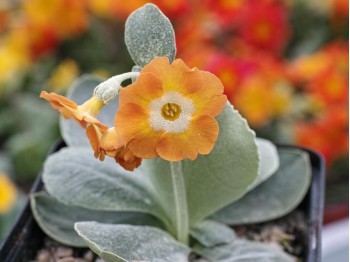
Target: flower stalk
column 180, row 199
column 109, row 89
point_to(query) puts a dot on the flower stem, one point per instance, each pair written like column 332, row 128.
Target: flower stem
column 109, row 89
column 180, row 198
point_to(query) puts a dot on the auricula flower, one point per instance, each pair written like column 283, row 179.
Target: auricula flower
column 169, row 111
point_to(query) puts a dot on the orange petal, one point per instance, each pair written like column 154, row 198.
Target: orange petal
column 146, row 87
column 94, row 135
column 204, row 133
column 144, row 147
column 176, row 147
column 55, row 98
column 209, row 100
column 174, row 77
column 111, row 141
column 128, row 162
column 131, row 123
column 159, row 66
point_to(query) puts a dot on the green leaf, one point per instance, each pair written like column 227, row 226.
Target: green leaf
column 116, row 243
column 215, row 180
column 218, row 179
column 269, row 161
column 75, row 177
column 241, row 250
column 80, row 91
column 277, row 196
column 57, row 219
column 148, row 34
column 211, row 233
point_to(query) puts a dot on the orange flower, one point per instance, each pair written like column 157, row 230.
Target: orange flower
column 70, row 16
column 84, row 114
column 169, row 111
column 328, row 134
column 109, row 143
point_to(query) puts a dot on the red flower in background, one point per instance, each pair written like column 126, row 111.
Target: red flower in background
column 231, row 71
column 116, row 9
column 4, row 19
column 227, row 12
column 255, row 84
column 264, row 24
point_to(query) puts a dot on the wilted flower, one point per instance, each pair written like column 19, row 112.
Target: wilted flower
column 109, row 143
column 84, row 114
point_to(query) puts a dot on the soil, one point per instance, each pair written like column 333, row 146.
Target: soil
column 290, row 232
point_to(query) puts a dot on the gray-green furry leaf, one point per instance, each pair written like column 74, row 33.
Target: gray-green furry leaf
column 120, row 243
column 149, row 34
column 75, row 177
column 211, row 233
column 269, row 161
column 274, row 198
column 57, row 219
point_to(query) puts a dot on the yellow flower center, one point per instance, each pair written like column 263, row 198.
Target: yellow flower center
column 171, row 111
column 263, row 31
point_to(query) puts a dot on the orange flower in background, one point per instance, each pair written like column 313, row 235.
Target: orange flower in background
column 65, row 17
column 107, row 142
column 169, row 111
column 8, row 194
column 254, row 101
column 330, row 87
column 328, row 134
column 84, row 114
column 332, row 57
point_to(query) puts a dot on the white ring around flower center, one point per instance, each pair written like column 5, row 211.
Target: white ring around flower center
column 181, row 124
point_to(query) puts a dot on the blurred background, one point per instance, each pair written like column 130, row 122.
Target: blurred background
column 284, row 65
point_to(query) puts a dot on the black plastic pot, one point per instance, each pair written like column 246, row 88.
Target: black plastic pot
column 26, row 238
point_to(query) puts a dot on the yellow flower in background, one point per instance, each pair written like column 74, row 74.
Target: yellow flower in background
column 8, row 194
column 63, row 76
column 169, row 111
column 254, row 101
column 260, row 99
column 15, row 55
